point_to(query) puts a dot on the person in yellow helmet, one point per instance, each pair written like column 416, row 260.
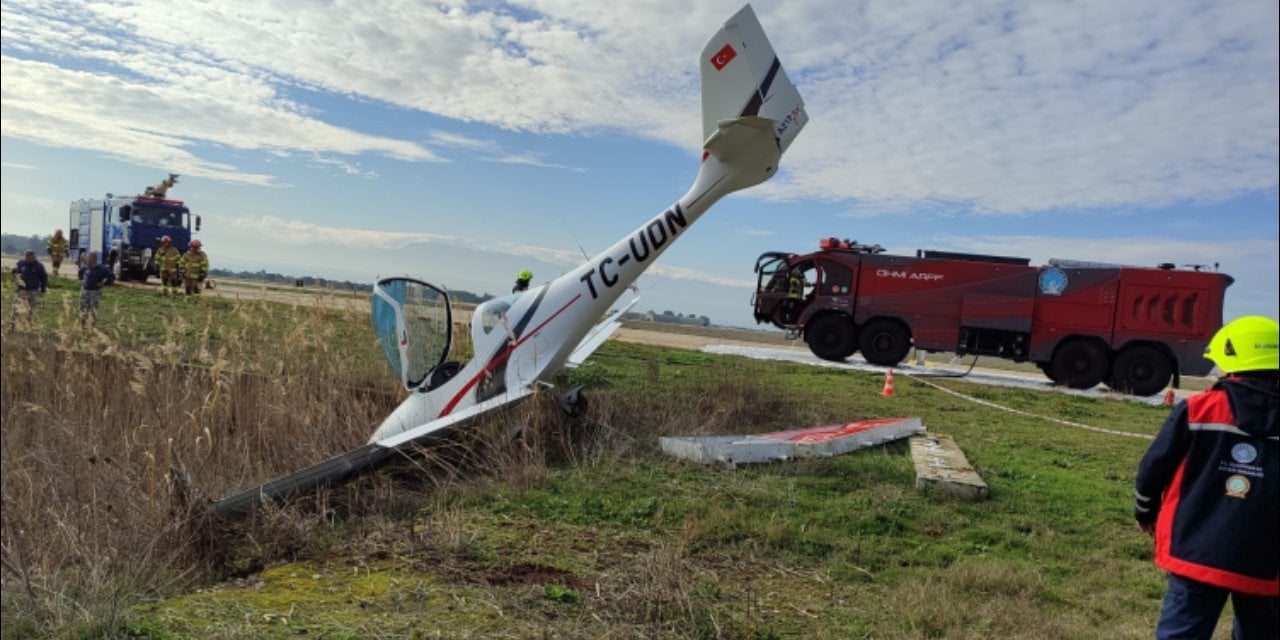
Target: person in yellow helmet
column 1208, row 491
column 522, row 281
column 168, row 259
column 795, row 296
column 195, row 267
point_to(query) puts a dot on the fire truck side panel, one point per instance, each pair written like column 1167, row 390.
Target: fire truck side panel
column 1084, row 306
column 1179, row 309
column 935, row 297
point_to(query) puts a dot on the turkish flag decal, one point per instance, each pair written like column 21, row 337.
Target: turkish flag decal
column 723, row 57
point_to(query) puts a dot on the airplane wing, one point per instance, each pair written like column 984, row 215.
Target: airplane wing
column 598, row 334
column 369, row 457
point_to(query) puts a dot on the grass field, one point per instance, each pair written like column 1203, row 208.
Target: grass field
column 575, row 529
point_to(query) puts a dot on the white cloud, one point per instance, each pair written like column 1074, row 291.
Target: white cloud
column 18, row 166
column 1008, row 107
column 300, row 233
column 448, row 139
column 532, row 160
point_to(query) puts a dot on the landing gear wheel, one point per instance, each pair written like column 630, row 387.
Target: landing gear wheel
column 1079, row 364
column 884, row 342
column 574, row 403
column 1141, row 370
column 832, row 337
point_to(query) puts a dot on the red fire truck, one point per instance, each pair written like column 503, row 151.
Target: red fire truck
column 1082, row 323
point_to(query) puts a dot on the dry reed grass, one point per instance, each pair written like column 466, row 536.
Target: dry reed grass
column 96, row 436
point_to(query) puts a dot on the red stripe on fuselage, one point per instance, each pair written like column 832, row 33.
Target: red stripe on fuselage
column 500, row 359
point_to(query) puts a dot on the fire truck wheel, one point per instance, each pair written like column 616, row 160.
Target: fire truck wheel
column 1141, row 370
column 884, row 342
column 832, row 337
column 1079, row 364
column 1047, row 369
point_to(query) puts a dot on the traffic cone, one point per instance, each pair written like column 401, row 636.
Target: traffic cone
column 888, row 385
column 1169, row 397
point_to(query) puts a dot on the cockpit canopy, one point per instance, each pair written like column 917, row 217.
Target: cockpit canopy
column 414, row 326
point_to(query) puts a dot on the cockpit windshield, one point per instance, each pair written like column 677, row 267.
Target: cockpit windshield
column 493, row 313
column 159, row 216
column 414, row 327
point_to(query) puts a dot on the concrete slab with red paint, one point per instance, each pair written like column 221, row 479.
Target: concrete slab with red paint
column 829, row 440
column 942, row 465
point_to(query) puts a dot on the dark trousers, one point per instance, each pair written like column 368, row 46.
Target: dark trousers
column 1191, row 610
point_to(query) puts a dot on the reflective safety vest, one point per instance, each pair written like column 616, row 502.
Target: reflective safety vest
column 796, row 291
column 168, row 259
column 196, row 263
column 57, row 247
column 1211, row 484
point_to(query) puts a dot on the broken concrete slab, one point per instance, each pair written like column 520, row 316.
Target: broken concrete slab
column 830, row 440
column 942, row 465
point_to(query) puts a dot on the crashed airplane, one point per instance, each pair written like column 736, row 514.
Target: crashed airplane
column 751, row 113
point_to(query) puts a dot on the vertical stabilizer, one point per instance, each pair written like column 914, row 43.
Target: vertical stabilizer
column 742, row 78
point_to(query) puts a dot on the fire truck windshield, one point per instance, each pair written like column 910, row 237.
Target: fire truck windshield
column 159, row 216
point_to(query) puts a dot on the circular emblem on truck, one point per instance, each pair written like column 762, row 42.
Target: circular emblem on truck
column 1053, row 281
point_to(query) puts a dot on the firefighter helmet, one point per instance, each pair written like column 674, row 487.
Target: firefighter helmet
column 1251, row 343
column 195, row 244
column 526, row 275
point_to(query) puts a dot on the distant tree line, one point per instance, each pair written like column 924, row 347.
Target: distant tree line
column 670, row 317
column 16, row 245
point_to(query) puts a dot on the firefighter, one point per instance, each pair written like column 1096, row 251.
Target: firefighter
column 522, row 281
column 57, row 246
column 195, row 267
column 93, row 277
column 1208, row 490
column 32, row 280
column 168, row 259
column 795, row 296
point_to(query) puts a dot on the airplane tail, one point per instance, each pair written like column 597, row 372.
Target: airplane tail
column 744, row 87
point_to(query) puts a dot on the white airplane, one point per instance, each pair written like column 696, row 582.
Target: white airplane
column 751, row 113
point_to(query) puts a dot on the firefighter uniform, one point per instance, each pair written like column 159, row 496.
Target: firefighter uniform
column 795, row 298
column 1207, row 489
column 195, row 267
column 168, row 260
column 57, row 246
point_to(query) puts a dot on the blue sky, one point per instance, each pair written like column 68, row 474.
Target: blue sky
column 460, row 142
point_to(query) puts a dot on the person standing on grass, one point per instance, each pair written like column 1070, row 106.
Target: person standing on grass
column 32, row 281
column 1208, row 491
column 93, row 277
column 195, row 266
column 168, row 258
column 57, row 246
